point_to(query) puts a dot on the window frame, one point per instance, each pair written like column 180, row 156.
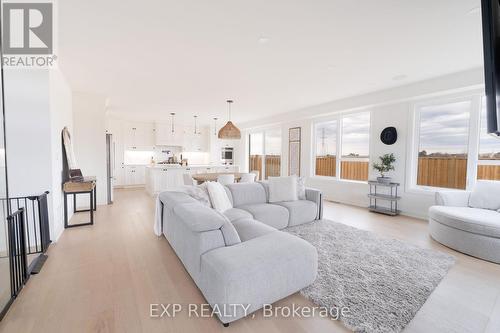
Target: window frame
column 413, row 141
column 339, row 118
column 480, row 161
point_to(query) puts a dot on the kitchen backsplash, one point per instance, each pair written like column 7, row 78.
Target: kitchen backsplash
column 162, row 153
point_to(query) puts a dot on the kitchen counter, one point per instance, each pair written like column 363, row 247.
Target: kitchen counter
column 178, row 166
column 162, row 177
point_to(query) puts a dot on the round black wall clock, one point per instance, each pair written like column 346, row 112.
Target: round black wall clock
column 389, row 135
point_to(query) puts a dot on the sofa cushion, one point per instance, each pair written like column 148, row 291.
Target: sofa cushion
column 231, row 236
column 198, row 217
column 247, row 193
column 486, row 194
column 480, row 221
column 197, row 192
column 301, row 211
column 282, row 189
column 218, row 197
column 174, row 198
column 229, row 195
column 234, row 214
column 301, row 188
column 249, row 228
column 273, row 215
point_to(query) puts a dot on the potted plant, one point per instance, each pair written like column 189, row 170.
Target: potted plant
column 385, row 165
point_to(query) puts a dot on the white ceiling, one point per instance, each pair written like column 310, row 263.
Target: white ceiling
column 159, row 56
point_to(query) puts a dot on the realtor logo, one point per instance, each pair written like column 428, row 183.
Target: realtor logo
column 27, row 28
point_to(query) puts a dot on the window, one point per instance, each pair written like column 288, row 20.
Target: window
column 326, row 148
column 489, row 151
column 273, row 153
column 265, row 153
column 443, row 144
column 256, row 141
column 355, row 146
column 354, row 143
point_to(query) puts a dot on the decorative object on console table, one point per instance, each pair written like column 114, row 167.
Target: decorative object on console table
column 391, row 196
column 294, row 142
column 75, row 175
column 386, row 164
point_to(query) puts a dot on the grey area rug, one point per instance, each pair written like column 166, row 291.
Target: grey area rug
column 383, row 282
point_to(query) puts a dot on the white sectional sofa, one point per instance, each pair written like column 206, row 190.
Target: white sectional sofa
column 469, row 221
column 240, row 256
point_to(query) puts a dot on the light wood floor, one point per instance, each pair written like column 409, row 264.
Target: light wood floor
column 103, row 279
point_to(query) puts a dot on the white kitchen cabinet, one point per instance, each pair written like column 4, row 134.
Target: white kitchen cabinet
column 165, row 137
column 135, row 175
column 161, row 179
column 119, row 175
column 138, row 134
column 199, row 142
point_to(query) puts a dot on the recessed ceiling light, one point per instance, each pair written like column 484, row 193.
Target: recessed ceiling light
column 399, row 77
column 330, row 68
column 473, row 11
column 263, row 39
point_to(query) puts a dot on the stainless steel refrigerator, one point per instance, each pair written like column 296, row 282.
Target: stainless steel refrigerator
column 110, row 166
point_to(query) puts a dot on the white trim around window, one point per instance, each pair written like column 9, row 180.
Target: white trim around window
column 339, row 117
column 413, row 141
column 263, row 132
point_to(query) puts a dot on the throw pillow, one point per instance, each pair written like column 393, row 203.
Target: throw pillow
column 486, row 195
column 282, row 189
column 301, row 188
column 218, row 197
column 199, row 193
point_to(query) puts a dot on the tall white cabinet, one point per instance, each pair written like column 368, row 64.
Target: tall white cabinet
column 129, row 135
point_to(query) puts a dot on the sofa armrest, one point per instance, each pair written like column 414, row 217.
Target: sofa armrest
column 316, row 196
column 199, row 218
column 452, row 198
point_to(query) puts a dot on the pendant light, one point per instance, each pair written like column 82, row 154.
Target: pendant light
column 196, row 125
column 215, row 125
column 172, row 114
column 229, row 131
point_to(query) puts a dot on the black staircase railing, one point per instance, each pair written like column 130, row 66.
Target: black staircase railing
column 36, row 221
column 17, row 251
column 28, row 234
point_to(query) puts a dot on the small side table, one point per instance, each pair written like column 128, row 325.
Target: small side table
column 389, row 195
column 87, row 186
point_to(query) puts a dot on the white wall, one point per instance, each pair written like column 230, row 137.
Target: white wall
column 389, row 108
column 37, row 106
column 89, row 141
column 61, row 116
column 27, row 117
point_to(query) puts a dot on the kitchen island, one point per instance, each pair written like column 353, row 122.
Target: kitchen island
column 162, row 177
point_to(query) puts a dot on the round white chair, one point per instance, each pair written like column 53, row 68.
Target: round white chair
column 248, row 178
column 225, row 179
column 256, row 173
column 188, row 180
